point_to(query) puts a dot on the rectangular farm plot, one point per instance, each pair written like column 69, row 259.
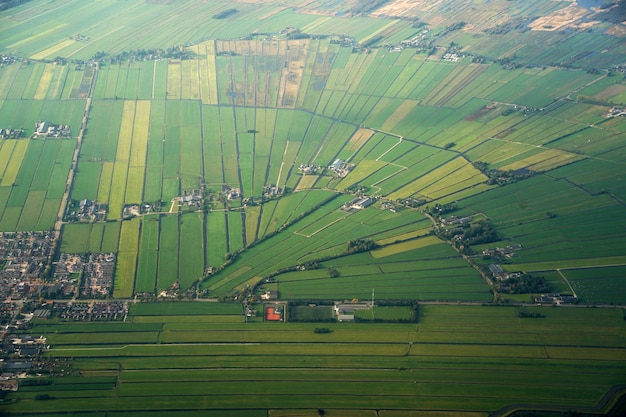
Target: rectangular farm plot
column 44, row 82
column 438, row 173
column 147, row 272
column 127, row 259
column 213, row 173
column 122, row 157
column 75, row 238
column 216, row 238
column 406, row 246
column 319, row 225
column 33, row 205
column 191, row 256
column 7, row 75
column 207, row 73
column 124, row 274
column 13, row 151
column 168, row 252
column 603, row 285
column 174, row 79
column 48, row 214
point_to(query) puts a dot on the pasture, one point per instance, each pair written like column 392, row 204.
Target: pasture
column 419, row 141
column 454, row 351
column 527, row 137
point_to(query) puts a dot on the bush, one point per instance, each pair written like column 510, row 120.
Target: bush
column 322, row 330
column 224, row 14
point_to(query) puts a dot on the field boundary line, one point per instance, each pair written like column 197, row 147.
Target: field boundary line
column 567, row 281
column 390, row 149
column 160, row 345
column 95, row 40
column 322, row 228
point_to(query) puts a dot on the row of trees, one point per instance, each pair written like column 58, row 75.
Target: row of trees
column 175, row 52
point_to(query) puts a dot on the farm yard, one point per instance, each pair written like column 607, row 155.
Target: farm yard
column 253, row 158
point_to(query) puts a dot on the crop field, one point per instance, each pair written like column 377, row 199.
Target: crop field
column 193, row 351
column 228, row 144
column 141, row 146
column 33, row 183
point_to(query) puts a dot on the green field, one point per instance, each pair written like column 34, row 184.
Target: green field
column 457, row 352
column 257, row 123
column 471, row 127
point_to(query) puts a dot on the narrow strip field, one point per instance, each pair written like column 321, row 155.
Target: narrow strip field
column 167, row 350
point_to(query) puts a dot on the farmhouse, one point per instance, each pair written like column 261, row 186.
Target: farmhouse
column 7, row 133
column 131, row 211
column 191, row 199
column 454, row 220
column 7, row 384
column 46, row 129
column 359, row 203
column 231, row 193
column 272, row 190
column 308, row 169
column 508, row 251
column 616, row 111
column 497, row 271
column 557, row 299
column 345, row 311
column 340, row 167
column 450, row 57
column 269, row 295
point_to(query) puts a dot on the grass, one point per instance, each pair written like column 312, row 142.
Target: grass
column 405, row 246
column 190, row 309
column 247, row 113
column 444, row 365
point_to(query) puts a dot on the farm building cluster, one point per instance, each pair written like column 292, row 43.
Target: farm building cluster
column 8, row 59
column 270, row 191
column 500, row 274
column 45, row 129
column 556, row 299
column 190, row 199
column 345, row 311
column 308, row 169
column 96, row 269
column 269, row 295
column 86, row 211
column 452, row 220
column 22, row 355
column 389, row 205
column 9, row 133
column 358, row 203
column 507, row 252
column 231, row 193
column 451, row 57
column 616, row 111
column 341, row 167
